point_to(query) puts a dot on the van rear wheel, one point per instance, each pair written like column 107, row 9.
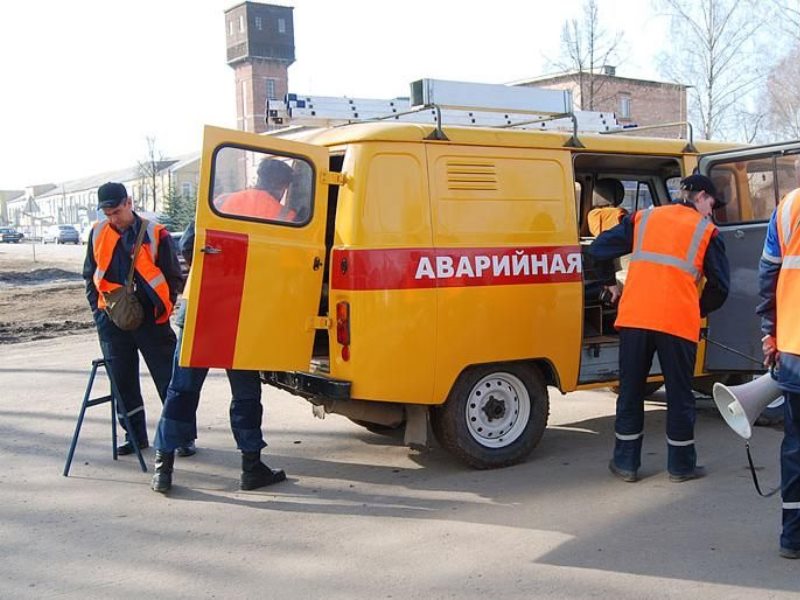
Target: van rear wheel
column 494, row 416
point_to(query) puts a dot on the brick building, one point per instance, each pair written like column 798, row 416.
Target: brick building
column 634, row 101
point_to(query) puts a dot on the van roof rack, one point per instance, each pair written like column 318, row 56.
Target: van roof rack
column 438, row 102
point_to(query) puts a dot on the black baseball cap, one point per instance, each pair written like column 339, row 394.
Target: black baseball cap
column 701, row 183
column 111, row 194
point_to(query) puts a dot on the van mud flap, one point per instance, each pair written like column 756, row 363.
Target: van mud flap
column 307, row 385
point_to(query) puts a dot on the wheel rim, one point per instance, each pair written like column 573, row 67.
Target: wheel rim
column 497, row 411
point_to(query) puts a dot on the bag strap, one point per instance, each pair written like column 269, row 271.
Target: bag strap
column 136, row 248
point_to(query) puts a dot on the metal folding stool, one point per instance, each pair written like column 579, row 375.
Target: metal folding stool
column 112, row 398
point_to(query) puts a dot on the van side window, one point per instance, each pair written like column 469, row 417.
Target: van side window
column 258, row 186
column 637, row 196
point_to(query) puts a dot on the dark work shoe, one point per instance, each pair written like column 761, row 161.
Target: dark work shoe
column 188, row 450
column 627, row 476
column 696, row 474
column 789, row 553
column 162, row 478
column 256, row 474
column 127, row 448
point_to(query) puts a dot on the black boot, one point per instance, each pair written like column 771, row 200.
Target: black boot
column 162, row 479
column 256, row 474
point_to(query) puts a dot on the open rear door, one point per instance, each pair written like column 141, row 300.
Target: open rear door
column 256, row 275
column 753, row 180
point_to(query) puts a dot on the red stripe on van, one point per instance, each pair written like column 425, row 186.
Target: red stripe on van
column 409, row 268
column 220, row 300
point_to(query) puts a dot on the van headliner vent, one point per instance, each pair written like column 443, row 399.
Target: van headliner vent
column 472, row 175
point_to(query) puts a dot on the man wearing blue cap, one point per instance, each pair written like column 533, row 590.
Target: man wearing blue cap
column 156, row 281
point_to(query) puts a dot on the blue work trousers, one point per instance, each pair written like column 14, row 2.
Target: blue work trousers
column 676, row 356
column 790, row 472
column 178, row 424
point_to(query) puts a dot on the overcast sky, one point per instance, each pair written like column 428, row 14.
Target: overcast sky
column 84, row 82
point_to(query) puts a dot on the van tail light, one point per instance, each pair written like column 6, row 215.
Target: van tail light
column 343, row 328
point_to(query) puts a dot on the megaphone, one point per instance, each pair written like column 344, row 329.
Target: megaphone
column 740, row 405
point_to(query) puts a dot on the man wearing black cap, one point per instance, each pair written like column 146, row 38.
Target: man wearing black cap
column 673, row 246
column 157, row 279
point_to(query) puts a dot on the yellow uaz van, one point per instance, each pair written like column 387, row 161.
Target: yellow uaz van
column 410, row 274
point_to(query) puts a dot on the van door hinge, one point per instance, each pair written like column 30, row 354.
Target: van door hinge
column 318, row 323
column 333, row 178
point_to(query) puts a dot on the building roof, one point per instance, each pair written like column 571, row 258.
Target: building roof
column 570, row 74
column 94, row 181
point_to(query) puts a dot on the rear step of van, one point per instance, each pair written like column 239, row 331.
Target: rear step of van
column 308, row 385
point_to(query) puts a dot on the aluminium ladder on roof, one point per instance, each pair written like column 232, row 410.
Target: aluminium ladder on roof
column 332, row 111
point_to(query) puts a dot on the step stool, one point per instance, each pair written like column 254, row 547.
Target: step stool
column 111, row 399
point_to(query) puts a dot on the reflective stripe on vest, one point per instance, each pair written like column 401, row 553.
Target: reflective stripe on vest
column 104, row 242
column 661, row 292
column 687, row 264
column 787, row 293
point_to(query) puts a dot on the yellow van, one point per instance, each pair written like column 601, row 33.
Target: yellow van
column 417, row 274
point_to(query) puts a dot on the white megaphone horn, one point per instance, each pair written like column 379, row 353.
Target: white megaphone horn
column 740, row 405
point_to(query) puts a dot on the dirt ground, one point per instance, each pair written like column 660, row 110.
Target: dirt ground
column 41, row 293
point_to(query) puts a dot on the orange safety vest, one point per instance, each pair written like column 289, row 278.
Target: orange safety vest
column 104, row 241
column 788, row 290
column 256, row 203
column 662, row 288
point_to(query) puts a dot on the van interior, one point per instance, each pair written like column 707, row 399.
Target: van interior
column 647, row 181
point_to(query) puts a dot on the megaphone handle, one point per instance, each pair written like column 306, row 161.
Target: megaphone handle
column 755, row 477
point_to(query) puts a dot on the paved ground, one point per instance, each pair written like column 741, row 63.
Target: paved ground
column 363, row 517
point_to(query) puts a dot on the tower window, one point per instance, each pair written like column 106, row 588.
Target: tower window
column 281, row 25
column 241, row 23
column 258, row 23
column 230, row 27
column 271, row 89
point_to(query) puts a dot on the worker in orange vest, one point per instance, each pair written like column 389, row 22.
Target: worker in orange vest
column 264, row 200
column 674, row 246
column 779, row 287
column 157, row 279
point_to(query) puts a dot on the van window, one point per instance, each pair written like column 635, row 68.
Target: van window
column 258, row 186
column 637, row 195
column 764, row 180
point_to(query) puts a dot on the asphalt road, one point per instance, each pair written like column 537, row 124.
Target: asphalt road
column 361, row 516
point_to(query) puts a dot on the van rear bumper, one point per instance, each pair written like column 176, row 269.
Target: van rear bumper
column 308, row 385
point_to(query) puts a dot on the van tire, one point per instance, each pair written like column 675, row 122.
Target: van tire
column 463, row 426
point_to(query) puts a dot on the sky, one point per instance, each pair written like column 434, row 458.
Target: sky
column 85, row 82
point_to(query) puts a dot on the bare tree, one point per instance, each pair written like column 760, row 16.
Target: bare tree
column 148, row 171
column 783, row 96
column 585, row 47
column 714, row 51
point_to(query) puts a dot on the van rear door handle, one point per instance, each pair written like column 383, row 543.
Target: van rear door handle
column 210, row 250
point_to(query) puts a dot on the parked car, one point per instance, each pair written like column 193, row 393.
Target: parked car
column 10, row 235
column 61, row 234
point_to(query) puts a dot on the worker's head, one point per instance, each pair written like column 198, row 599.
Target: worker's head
column 701, row 191
column 113, row 200
column 607, row 192
column 274, row 176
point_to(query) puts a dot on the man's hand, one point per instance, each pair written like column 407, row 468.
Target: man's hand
column 769, row 347
column 611, row 293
